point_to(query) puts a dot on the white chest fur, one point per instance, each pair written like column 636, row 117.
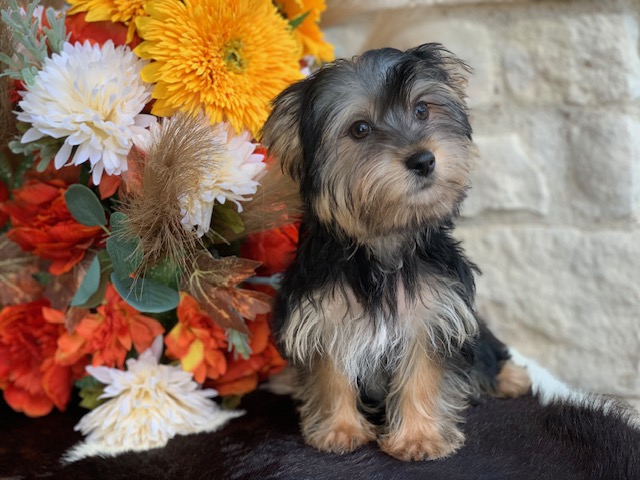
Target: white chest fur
column 336, row 325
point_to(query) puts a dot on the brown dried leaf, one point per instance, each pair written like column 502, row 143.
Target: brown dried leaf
column 17, row 284
column 62, row 288
column 73, row 317
column 213, row 284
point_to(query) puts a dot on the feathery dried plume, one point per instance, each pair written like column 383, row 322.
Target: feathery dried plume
column 7, row 119
column 277, row 202
column 180, row 153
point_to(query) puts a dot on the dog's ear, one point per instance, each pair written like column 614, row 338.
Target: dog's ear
column 281, row 132
column 435, row 55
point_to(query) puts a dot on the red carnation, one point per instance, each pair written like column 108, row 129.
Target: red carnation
column 41, row 224
column 274, row 248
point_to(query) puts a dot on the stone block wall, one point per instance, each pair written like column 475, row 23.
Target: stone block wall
column 553, row 218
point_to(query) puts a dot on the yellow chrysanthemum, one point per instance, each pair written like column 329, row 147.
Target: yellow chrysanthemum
column 125, row 11
column 308, row 33
column 226, row 58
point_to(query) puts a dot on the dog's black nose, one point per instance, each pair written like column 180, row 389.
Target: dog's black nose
column 422, row 163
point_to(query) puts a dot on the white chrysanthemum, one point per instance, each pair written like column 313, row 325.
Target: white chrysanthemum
column 148, row 405
column 92, row 97
column 231, row 178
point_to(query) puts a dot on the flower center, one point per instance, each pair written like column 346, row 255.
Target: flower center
column 232, row 53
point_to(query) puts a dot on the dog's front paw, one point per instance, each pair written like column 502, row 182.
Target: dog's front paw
column 341, row 438
column 419, row 445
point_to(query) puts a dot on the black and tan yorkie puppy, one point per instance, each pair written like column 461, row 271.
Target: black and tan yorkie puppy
column 377, row 308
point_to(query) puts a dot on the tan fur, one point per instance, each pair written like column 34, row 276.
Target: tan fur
column 375, row 196
column 331, row 421
column 424, row 401
column 420, row 423
column 333, row 324
column 179, row 154
column 513, row 381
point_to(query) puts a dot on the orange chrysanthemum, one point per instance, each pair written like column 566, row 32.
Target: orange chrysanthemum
column 197, row 342
column 108, row 335
column 32, row 381
column 308, row 33
column 242, row 376
column 123, row 11
column 228, row 58
column 42, row 224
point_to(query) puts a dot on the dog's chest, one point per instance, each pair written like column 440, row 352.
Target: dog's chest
column 361, row 340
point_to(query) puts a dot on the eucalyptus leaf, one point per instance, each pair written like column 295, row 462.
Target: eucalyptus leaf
column 146, row 295
column 89, row 285
column 125, row 254
column 85, row 206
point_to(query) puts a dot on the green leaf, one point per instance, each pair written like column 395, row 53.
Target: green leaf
column 89, row 285
column 43, row 164
column 126, row 255
column 296, row 22
column 239, row 343
column 85, row 206
column 90, row 390
column 42, row 277
column 231, row 402
column 97, row 296
column 146, row 295
column 164, row 273
column 226, row 215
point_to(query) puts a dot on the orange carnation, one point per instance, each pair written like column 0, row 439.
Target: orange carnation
column 275, row 249
column 242, row 376
column 32, row 381
column 197, row 341
column 41, row 224
column 97, row 32
column 108, row 334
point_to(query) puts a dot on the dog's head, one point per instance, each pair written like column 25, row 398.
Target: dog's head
column 380, row 144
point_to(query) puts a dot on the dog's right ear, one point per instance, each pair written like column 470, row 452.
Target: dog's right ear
column 281, row 132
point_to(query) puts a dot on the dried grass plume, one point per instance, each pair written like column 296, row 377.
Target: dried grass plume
column 181, row 151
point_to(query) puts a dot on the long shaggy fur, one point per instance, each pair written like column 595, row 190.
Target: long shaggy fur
column 181, row 152
column 376, row 311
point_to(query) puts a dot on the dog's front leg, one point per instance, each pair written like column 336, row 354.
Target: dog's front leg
column 330, row 418
column 421, row 422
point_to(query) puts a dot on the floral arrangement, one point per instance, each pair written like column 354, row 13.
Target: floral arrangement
column 129, row 163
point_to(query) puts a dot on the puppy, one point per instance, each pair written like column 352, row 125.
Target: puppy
column 376, row 312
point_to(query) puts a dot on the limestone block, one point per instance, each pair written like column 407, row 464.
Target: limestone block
column 606, row 63
column 577, row 59
column 604, row 164
column 351, row 38
column 536, row 56
column 567, row 298
column 505, row 178
column 471, row 41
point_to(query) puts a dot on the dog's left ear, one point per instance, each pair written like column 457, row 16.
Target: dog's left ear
column 281, row 132
column 457, row 72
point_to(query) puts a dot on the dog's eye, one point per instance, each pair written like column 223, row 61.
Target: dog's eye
column 360, row 129
column 421, row 111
